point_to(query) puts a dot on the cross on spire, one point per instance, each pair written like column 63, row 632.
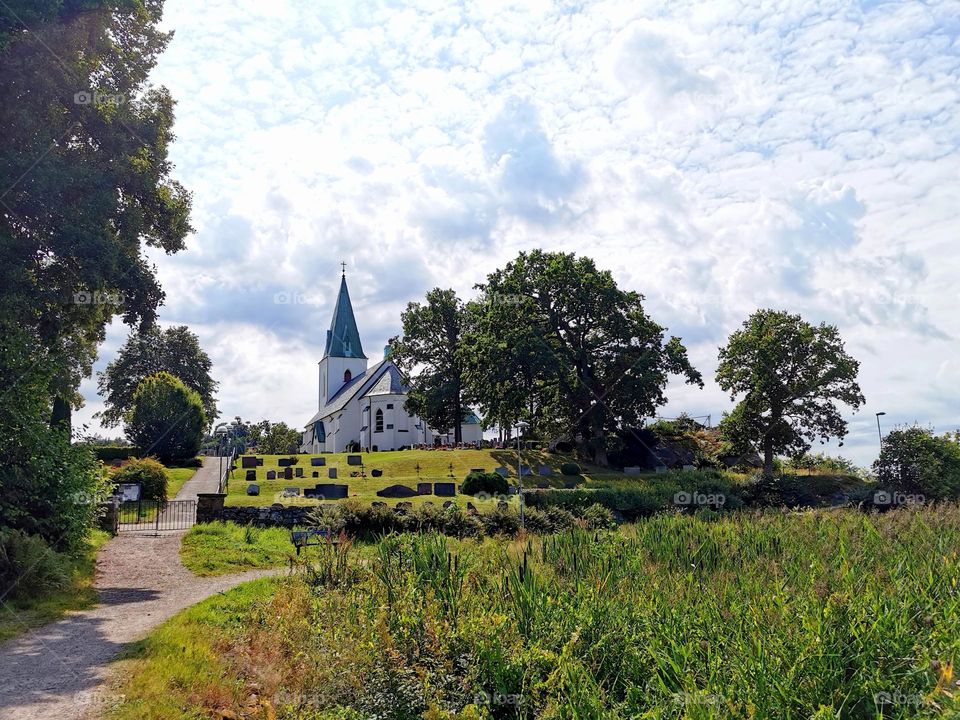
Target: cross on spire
column 343, row 268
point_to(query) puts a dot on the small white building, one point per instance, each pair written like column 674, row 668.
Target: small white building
column 364, row 404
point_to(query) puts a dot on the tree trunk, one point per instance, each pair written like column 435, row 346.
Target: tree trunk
column 768, row 456
column 60, row 416
column 458, row 423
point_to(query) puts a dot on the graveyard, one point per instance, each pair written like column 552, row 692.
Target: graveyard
column 289, row 479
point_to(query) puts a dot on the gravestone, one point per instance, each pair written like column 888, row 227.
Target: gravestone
column 271, row 474
column 251, row 475
column 253, row 489
column 444, row 489
column 424, row 488
column 298, row 472
column 259, row 462
column 378, row 503
column 354, row 460
column 329, row 491
column 315, row 474
column 502, row 471
column 396, row 491
column 477, row 470
column 332, row 473
column 525, row 470
column 544, row 470
column 661, row 468
column 284, row 462
column 633, row 470
column 318, row 462
column 288, row 473
column 543, row 485
column 448, row 504
column 248, row 461
column 376, row 473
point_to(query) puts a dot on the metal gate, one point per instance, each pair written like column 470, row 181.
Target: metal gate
column 156, row 515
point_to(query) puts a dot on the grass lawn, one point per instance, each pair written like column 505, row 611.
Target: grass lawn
column 176, row 477
column 77, row 594
column 219, row 548
column 400, row 467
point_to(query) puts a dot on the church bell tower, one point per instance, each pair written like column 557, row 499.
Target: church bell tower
column 343, row 357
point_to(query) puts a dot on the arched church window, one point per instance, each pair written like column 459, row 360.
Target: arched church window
column 347, row 375
column 378, row 423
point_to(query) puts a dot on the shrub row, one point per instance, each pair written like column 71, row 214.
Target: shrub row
column 109, row 453
column 360, row 520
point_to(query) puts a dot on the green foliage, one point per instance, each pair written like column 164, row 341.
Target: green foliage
column 223, row 548
column 175, row 350
column 914, row 460
column 29, row 567
column 151, row 475
column 108, row 453
column 487, row 482
column 167, row 418
column 431, row 345
column 84, row 162
column 792, row 376
column 551, row 335
column 570, row 469
column 821, row 463
column 277, row 438
column 50, row 486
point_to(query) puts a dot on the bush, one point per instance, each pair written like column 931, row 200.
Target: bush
column 914, row 460
column 29, row 568
column 149, row 473
column 167, row 418
column 109, row 453
column 488, row 482
column 570, row 469
column 501, row 521
column 597, row 517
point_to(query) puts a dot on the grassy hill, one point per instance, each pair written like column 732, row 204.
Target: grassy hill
column 400, row 467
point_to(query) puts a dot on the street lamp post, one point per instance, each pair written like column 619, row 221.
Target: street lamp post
column 521, row 426
column 220, row 432
column 879, row 433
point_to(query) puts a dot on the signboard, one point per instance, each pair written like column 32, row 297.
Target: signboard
column 128, row 492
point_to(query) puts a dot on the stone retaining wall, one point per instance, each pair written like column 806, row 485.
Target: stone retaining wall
column 270, row 516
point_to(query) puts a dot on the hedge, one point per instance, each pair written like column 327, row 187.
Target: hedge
column 108, row 453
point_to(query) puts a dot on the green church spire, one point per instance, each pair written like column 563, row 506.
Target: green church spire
column 343, row 338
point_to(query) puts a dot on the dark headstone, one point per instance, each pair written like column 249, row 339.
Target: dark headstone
column 271, row 474
column 525, row 470
column 318, row 462
column 477, row 470
column 444, row 489
column 544, row 470
column 298, row 472
column 259, row 462
column 315, row 474
column 424, row 488
column 328, row 491
column 284, row 462
column 378, row 503
column 501, row 471
column 288, row 473
column 332, row 473
column 448, row 504
column 248, row 461
column 253, row 489
column 354, row 459
column 376, row 473
column 543, row 485
column 632, row 470
column 251, row 475
column 396, row 491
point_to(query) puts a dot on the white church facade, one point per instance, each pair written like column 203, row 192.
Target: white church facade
column 363, row 403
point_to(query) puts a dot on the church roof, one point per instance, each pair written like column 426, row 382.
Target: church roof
column 380, row 379
column 343, row 338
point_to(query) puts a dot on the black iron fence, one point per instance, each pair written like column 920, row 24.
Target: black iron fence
column 156, row 515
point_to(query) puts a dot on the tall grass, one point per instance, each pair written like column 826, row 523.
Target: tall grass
column 769, row 615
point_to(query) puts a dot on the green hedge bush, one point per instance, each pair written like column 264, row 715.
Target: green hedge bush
column 569, row 469
column 109, row 453
column 488, row 482
column 29, row 568
column 151, row 475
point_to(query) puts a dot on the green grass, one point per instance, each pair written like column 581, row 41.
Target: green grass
column 219, row 548
column 399, row 468
column 78, row 594
column 818, row 614
column 176, row 477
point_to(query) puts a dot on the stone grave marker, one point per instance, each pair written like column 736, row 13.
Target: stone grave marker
column 253, row 489
column 632, row 470
column 251, row 475
column 544, row 470
column 444, row 489
column 332, row 473
column 502, row 471
column 354, row 460
column 288, row 473
column 271, row 474
column 424, row 488
column 248, row 461
column 298, row 472
column 318, row 462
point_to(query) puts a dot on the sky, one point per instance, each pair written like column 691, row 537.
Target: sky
column 716, row 157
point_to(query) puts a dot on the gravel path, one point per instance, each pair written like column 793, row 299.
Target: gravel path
column 57, row 672
column 205, row 480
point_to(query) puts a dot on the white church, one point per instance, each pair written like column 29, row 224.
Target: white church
column 362, row 403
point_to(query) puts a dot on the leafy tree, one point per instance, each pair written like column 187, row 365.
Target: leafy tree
column 914, row 460
column 86, row 177
column 792, row 375
column 586, row 354
column 175, row 350
column 50, row 487
column 166, row 418
column 431, row 347
column 278, row 438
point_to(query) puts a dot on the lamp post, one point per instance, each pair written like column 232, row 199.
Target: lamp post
column 880, row 434
column 220, row 432
column 521, row 426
